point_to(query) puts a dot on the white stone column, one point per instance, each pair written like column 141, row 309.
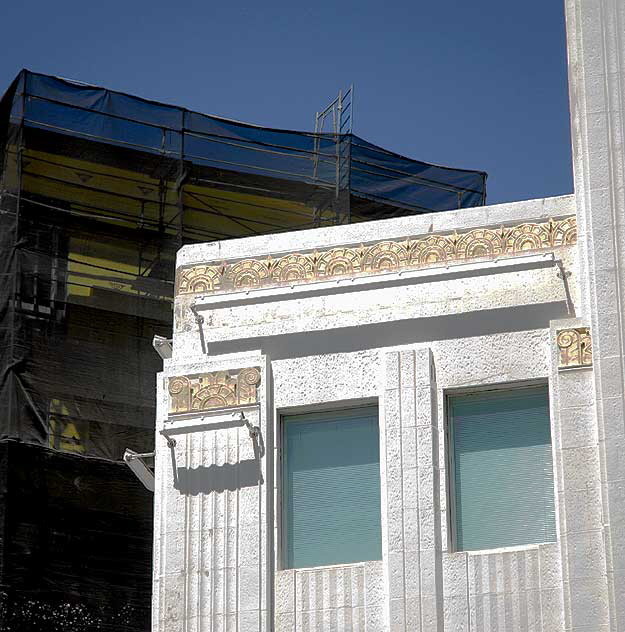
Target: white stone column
column 596, row 49
column 412, row 551
column 211, row 548
column 578, row 480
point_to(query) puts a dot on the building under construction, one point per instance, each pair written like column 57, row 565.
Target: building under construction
column 98, row 190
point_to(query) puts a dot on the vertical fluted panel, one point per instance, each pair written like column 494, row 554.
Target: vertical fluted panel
column 330, row 599
column 411, row 492
column 209, row 569
column 514, row 591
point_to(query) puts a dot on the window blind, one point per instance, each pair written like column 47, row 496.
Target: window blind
column 503, row 472
column 331, row 488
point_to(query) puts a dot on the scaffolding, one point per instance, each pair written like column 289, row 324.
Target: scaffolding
column 98, row 190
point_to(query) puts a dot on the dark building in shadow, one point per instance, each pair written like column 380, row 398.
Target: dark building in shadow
column 98, row 190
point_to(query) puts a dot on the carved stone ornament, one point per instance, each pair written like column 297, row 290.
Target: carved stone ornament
column 384, row 256
column 219, row 389
column 575, row 346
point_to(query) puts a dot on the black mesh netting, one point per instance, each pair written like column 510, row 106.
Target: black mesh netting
column 97, row 192
column 77, row 543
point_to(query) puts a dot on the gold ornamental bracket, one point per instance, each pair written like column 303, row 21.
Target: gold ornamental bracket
column 215, row 390
column 574, row 347
column 351, row 262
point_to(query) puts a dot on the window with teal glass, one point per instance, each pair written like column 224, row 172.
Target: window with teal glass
column 331, row 488
column 502, row 482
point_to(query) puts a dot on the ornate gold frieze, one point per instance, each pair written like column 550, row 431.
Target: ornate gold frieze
column 219, row 389
column 575, row 347
column 375, row 258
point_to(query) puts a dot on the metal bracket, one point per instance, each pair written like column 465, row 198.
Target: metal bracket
column 254, row 431
column 134, row 460
column 202, row 424
column 199, row 319
column 564, row 274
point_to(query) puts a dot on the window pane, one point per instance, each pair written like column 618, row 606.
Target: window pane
column 503, row 481
column 331, row 488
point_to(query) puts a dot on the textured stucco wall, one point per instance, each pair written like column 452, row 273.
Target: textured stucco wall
column 404, row 344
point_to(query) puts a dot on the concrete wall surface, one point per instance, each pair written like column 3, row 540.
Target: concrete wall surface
column 402, row 313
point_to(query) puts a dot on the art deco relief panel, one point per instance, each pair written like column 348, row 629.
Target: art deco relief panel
column 383, row 256
column 575, row 347
column 217, row 389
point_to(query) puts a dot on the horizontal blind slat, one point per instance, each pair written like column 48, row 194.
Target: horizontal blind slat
column 503, row 471
column 331, row 482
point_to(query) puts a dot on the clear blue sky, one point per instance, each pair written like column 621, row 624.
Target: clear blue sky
column 477, row 84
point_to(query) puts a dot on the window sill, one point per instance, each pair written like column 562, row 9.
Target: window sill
column 308, row 569
column 507, row 549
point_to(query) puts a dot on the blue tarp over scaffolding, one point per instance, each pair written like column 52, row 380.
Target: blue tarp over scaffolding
column 392, row 184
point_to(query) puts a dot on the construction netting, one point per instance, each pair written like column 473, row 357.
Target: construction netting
column 98, row 190
column 77, row 548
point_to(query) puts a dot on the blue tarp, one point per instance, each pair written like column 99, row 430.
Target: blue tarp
column 366, row 170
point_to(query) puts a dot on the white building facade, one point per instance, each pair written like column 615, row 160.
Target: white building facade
column 409, row 424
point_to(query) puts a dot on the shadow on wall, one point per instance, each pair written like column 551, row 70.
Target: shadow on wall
column 399, row 332
column 218, row 478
